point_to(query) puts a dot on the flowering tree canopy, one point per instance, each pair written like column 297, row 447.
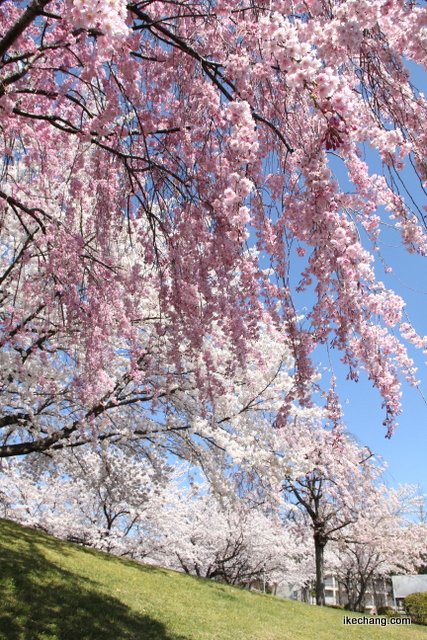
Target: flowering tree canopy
column 161, row 161
column 137, row 507
column 133, row 508
column 338, row 488
column 102, row 498
column 230, row 542
column 382, row 541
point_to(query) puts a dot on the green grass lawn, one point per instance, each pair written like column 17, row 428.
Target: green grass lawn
column 50, row 589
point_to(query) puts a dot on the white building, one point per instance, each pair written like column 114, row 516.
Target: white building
column 379, row 593
column 405, row 585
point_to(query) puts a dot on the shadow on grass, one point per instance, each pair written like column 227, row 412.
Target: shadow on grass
column 40, row 600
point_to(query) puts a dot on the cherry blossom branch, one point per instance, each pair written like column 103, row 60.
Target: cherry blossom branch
column 28, row 16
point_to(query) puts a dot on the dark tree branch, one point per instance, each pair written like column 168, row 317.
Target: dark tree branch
column 30, row 14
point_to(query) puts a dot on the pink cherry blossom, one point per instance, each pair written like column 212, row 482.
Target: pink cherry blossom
column 156, row 160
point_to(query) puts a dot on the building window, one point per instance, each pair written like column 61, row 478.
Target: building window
column 399, row 604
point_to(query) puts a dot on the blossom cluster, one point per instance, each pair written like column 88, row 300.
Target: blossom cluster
column 106, row 16
column 165, row 167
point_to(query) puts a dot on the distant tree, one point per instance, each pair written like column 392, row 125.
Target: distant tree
column 136, row 508
column 382, row 541
column 99, row 498
column 229, row 541
column 334, row 490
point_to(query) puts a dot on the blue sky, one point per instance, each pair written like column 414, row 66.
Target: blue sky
column 406, row 452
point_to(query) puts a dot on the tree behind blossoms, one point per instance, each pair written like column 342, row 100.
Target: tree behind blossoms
column 156, row 157
column 132, row 508
column 336, row 492
column 385, row 540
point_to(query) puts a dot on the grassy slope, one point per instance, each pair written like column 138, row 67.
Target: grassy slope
column 50, row 589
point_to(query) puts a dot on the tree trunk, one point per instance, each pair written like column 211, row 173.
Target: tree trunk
column 319, row 543
column 363, row 584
